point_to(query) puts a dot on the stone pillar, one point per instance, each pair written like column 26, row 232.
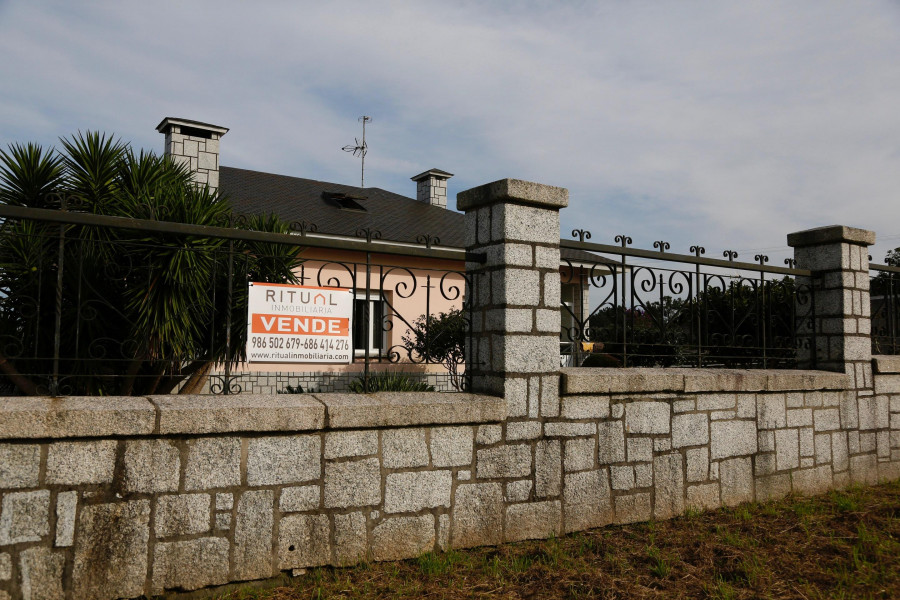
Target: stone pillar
column 838, row 256
column 195, row 145
column 514, row 348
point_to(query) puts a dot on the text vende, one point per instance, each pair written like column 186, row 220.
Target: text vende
column 300, row 325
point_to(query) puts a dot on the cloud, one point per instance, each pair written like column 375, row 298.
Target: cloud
column 728, row 124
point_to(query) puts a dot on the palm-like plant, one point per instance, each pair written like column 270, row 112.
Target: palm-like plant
column 29, row 175
column 139, row 313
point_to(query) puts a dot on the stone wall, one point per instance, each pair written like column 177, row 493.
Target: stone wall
column 277, row 382
column 879, row 415
column 679, row 438
column 118, row 497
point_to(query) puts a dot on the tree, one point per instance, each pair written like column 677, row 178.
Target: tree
column 886, row 283
column 137, row 312
column 440, row 339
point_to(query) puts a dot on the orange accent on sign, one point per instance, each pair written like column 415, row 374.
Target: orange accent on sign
column 300, row 325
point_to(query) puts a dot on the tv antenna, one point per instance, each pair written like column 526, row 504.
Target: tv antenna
column 360, row 150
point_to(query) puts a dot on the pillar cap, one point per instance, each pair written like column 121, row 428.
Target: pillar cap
column 831, row 234
column 514, row 191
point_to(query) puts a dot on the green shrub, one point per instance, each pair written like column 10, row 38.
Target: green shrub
column 601, row 360
column 389, row 382
column 440, row 339
column 289, row 389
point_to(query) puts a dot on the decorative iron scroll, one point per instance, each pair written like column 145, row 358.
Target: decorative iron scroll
column 884, row 295
column 617, row 312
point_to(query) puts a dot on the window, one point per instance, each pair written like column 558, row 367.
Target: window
column 344, row 201
column 369, row 324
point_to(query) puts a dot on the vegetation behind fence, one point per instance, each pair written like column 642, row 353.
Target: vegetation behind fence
column 636, row 307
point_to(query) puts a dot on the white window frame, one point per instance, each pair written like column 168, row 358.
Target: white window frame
column 373, row 297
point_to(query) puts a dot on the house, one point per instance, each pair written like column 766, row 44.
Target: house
column 394, row 290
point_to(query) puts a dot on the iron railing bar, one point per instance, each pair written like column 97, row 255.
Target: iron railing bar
column 763, row 318
column 90, row 220
column 892, row 314
column 229, row 306
column 40, row 294
column 885, row 268
column 624, row 240
column 302, row 276
column 367, row 320
column 684, row 258
column 212, row 309
column 57, row 332
column 812, row 315
column 78, row 296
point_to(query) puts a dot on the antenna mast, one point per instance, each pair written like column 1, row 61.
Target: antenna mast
column 360, row 150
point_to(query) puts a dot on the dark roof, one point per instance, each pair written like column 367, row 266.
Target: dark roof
column 582, row 256
column 397, row 217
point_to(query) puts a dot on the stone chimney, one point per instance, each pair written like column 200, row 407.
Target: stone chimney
column 196, row 145
column 431, row 187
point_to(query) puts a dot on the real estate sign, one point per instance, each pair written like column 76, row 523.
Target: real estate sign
column 299, row 324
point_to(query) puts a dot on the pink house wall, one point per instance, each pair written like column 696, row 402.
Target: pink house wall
column 404, row 280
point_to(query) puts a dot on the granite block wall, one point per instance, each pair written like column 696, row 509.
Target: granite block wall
column 112, row 497
column 278, row 382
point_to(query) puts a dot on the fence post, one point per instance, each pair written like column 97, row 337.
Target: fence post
column 514, row 344
column 839, row 258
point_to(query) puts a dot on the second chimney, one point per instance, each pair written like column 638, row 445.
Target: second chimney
column 431, row 187
column 196, row 145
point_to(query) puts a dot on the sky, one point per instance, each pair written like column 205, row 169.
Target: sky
column 724, row 124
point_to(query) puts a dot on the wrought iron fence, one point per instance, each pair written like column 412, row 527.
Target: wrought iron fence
column 884, row 295
column 101, row 305
column 634, row 307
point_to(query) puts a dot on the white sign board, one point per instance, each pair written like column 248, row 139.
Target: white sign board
column 299, row 324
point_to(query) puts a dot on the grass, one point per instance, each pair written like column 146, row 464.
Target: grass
column 841, row 545
column 659, row 566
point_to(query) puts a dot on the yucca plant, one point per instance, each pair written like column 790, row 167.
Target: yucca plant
column 142, row 313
